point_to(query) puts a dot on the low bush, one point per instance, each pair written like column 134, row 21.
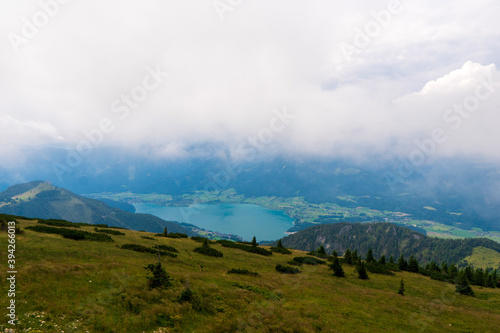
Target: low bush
column 59, row 223
column 142, row 248
column 200, row 239
column 309, row 261
column 287, row 269
column 177, row 235
column 280, row 250
column 110, row 232
column 375, row 267
column 147, row 237
column 242, row 272
column 167, row 248
column 71, row 233
column 244, row 247
column 208, row 251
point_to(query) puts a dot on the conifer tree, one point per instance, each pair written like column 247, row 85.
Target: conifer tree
column 321, row 250
column 335, row 254
column 382, row 260
column 403, row 265
column 160, row 278
column 401, row 290
column 452, row 272
column 254, row 242
column 391, row 260
column 412, row 265
column 355, row 255
column 348, row 257
column 479, row 278
column 369, row 256
column 494, row 276
column 337, row 268
column 489, row 281
column 165, row 232
column 463, row 286
column 360, row 268
column 279, row 245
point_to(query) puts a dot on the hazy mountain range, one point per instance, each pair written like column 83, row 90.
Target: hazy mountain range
column 465, row 193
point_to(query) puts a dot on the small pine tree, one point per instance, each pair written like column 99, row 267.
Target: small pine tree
column 463, row 286
column 355, row 255
column 361, row 269
column 469, row 273
column 402, row 264
column 279, row 245
column 382, row 260
column 452, row 272
column 205, row 242
column 165, row 232
column 348, row 257
column 401, row 290
column 489, row 281
column 254, row 242
column 479, row 278
column 335, row 254
column 337, row 268
column 412, row 265
column 369, row 256
column 160, row 278
column 391, row 260
column 321, row 250
column 494, row 276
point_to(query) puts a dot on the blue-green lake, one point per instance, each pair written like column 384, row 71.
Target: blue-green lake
column 239, row 219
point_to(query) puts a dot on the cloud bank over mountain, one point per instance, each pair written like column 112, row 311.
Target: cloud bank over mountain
column 324, row 78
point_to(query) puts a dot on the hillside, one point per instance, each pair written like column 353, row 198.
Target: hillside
column 102, row 288
column 43, row 200
column 389, row 239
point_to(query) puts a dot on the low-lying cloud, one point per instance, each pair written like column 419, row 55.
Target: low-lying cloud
column 226, row 78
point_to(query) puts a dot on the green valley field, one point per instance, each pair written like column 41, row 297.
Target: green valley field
column 82, row 285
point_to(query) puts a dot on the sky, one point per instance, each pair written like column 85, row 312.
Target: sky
column 320, row 78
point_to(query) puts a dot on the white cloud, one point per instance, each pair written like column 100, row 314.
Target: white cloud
column 226, row 77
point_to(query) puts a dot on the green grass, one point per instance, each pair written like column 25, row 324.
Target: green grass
column 483, row 257
column 78, row 286
column 462, row 233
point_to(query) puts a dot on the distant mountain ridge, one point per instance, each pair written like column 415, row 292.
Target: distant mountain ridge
column 41, row 199
column 386, row 239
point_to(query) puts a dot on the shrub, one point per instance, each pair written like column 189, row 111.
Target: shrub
column 208, row 251
column 71, row 233
column 377, row 268
column 142, row 248
column 177, row 235
column 147, row 237
column 309, row 261
column 287, row 269
column 244, row 247
column 110, row 232
column 59, row 223
column 167, row 248
column 205, row 249
column 242, row 272
column 200, row 239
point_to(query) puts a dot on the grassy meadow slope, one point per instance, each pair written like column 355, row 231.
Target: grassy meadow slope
column 77, row 286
